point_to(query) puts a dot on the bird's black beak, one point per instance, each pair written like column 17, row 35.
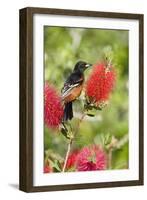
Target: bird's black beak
column 88, row 65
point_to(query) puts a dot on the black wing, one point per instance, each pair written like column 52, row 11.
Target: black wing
column 72, row 81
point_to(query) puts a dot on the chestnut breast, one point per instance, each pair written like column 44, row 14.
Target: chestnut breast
column 75, row 92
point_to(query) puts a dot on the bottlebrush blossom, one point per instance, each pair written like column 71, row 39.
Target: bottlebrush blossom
column 53, row 110
column 91, row 158
column 100, row 83
column 71, row 162
column 47, row 169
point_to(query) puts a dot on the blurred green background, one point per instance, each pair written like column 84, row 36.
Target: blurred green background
column 63, row 47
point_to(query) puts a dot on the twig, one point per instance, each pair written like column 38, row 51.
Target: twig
column 71, row 140
column 110, row 158
column 79, row 122
column 122, row 141
column 115, row 144
column 67, row 155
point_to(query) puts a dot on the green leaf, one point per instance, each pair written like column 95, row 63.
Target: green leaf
column 65, row 133
column 91, row 112
column 107, row 139
column 56, row 165
column 103, row 139
column 66, row 130
column 90, row 115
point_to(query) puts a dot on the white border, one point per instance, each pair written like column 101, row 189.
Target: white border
column 40, row 179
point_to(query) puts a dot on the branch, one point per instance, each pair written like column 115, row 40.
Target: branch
column 71, row 140
column 67, row 155
column 110, row 158
column 79, row 122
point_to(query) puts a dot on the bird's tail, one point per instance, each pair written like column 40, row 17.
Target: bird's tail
column 68, row 112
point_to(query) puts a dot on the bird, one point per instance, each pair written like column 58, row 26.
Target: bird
column 72, row 88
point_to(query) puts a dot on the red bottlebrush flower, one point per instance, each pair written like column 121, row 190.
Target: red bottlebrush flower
column 47, row 169
column 71, row 162
column 100, row 83
column 91, row 158
column 53, row 110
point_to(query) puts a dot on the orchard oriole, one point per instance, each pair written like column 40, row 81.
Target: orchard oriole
column 72, row 88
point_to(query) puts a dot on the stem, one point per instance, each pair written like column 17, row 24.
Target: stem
column 67, row 155
column 79, row 122
column 71, row 140
column 110, row 158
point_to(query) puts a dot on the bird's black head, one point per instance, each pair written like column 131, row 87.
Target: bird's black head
column 81, row 66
